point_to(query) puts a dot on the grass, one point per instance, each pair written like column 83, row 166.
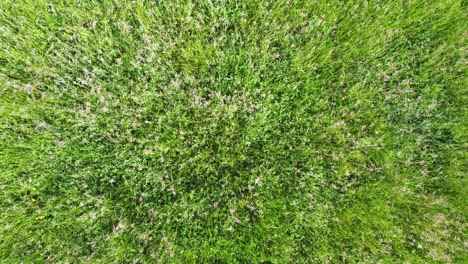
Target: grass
column 233, row 131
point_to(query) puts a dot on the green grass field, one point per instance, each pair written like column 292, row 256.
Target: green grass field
column 233, row 131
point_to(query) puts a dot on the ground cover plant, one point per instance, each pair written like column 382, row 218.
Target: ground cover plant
column 232, row 131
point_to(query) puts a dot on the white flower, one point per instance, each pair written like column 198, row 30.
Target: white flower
column 257, row 181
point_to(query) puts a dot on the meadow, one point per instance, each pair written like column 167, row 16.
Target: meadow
column 233, row 131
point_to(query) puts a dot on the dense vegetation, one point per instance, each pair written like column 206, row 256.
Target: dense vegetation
column 232, row 131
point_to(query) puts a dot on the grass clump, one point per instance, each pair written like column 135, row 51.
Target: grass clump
column 232, row 131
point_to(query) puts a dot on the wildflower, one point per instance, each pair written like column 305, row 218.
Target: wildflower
column 41, row 125
column 257, row 181
column 29, row 88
